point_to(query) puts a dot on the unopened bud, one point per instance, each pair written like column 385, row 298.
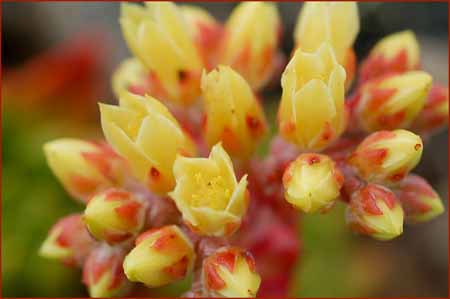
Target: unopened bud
column 103, row 273
column 396, row 53
column 312, row 182
column 84, row 167
column 420, row 202
column 207, row 32
column 392, row 102
column 233, row 114
column 143, row 131
column 336, row 23
column 115, row 215
column 312, row 112
column 230, row 272
column 159, row 36
column 434, row 115
column 251, row 41
column 373, row 210
column 387, row 156
column 68, row 241
column 211, row 200
column 161, row 256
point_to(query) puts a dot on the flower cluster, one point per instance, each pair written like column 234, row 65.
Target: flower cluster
column 178, row 191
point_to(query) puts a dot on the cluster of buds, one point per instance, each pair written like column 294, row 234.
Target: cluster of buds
column 178, row 191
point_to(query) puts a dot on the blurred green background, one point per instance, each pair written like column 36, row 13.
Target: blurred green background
column 334, row 263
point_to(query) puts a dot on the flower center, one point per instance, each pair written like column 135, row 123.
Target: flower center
column 211, row 192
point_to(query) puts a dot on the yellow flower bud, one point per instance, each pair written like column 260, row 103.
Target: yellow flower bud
column 161, row 256
column 83, row 167
column 230, row 272
column 387, row 156
column 206, row 32
column 312, row 111
column 420, row 202
column 233, row 113
column 114, row 215
column 392, row 102
column 158, row 35
column 208, row 195
column 130, row 76
column 434, row 115
column 312, row 182
column 103, row 273
column 396, row 53
column 251, row 41
column 336, row 23
column 68, row 241
column 143, row 131
column 374, row 211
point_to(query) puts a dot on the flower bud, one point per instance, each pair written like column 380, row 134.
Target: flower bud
column 434, row 115
column 396, row 53
column 143, row 131
column 251, row 41
column 336, row 23
column 158, row 35
column 103, row 273
column 373, row 210
column 83, row 167
column 230, row 272
column 387, row 156
column 419, row 201
column 233, row 113
column 114, row 215
column 131, row 76
column 161, row 256
column 312, row 182
column 312, row 113
column 206, row 31
column 208, row 195
column 392, row 102
column 68, row 241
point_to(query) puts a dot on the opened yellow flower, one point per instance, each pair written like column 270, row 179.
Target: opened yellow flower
column 387, row 156
column 230, row 272
column 158, row 35
column 251, row 41
column 375, row 211
column 208, row 195
column 312, row 113
column 161, row 256
column 233, row 114
column 84, row 167
column 396, row 53
column 336, row 23
column 142, row 130
column 393, row 102
column 312, row 182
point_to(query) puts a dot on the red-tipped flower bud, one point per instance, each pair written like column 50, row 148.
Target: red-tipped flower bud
column 103, row 273
column 115, row 215
column 419, row 201
column 161, row 256
column 434, row 115
column 230, row 272
column 387, row 156
column 373, row 210
column 312, row 182
column 68, row 241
